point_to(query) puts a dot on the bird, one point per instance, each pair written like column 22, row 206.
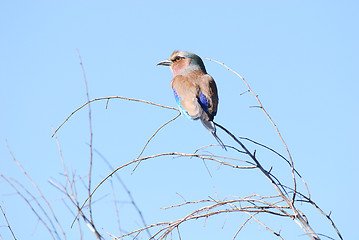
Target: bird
column 195, row 91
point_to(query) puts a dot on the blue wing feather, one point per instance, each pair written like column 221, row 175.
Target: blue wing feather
column 203, row 102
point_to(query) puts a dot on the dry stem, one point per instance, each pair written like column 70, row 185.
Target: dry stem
column 8, row 224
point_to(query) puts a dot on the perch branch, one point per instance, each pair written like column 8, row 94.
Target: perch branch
column 268, row 116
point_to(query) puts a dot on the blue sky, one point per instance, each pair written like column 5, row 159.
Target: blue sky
column 300, row 57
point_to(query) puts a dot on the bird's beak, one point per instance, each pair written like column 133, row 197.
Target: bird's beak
column 165, row 63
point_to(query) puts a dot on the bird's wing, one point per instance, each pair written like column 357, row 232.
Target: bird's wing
column 186, row 95
column 208, row 96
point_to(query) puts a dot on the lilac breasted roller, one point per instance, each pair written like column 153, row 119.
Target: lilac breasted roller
column 195, row 91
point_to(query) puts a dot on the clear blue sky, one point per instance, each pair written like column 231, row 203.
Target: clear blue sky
column 300, row 57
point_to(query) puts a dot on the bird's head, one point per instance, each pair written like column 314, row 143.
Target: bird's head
column 181, row 61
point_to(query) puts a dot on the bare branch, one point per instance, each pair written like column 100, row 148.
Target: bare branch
column 153, row 135
column 108, row 98
column 91, row 139
column 39, row 191
column 298, row 217
column 31, row 207
column 72, row 194
column 244, row 224
column 38, row 204
column 203, row 212
column 8, row 224
column 261, row 223
column 160, row 155
column 76, row 204
column 268, row 116
column 308, row 200
column 116, row 208
column 127, row 191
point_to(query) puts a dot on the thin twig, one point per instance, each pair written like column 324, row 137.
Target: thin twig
column 153, row 135
column 91, row 139
column 76, row 204
column 8, row 224
column 72, row 195
column 38, row 190
column 116, row 208
column 126, row 190
column 107, row 98
column 269, row 229
column 281, row 156
column 211, row 145
column 38, row 204
column 31, row 207
column 244, row 224
column 308, row 200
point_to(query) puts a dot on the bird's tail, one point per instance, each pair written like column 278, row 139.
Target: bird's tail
column 210, row 127
column 219, row 140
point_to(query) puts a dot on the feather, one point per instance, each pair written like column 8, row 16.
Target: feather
column 203, row 101
column 209, row 125
column 219, row 140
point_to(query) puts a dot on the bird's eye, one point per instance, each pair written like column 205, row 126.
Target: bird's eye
column 178, row 58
